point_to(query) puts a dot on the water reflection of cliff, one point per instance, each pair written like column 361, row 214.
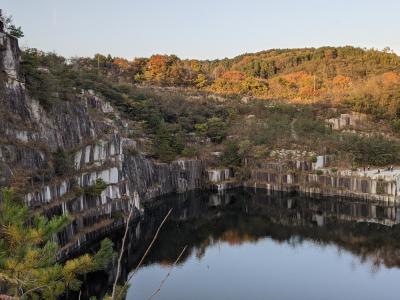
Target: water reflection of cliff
column 200, row 220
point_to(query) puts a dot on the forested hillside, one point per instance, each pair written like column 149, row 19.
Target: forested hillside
column 173, row 110
column 366, row 80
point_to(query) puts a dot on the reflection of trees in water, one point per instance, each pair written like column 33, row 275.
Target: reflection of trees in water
column 243, row 216
column 247, row 217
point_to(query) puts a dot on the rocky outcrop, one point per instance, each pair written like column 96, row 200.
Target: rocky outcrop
column 346, row 121
column 274, row 176
column 222, row 179
column 218, row 175
column 30, row 135
column 130, row 179
column 153, row 179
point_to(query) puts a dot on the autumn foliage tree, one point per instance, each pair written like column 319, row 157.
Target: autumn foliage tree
column 336, row 74
column 164, row 70
column 239, row 83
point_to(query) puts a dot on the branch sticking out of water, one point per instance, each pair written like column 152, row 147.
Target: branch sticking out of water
column 114, row 297
column 121, row 253
column 169, row 273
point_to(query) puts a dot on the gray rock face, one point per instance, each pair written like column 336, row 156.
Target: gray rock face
column 10, row 56
column 152, row 179
column 22, row 156
column 5, row 174
column 29, row 135
column 330, row 184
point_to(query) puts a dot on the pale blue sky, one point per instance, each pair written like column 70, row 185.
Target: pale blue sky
column 202, row 28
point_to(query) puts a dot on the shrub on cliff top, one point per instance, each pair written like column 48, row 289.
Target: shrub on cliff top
column 167, row 144
column 12, row 29
column 374, row 150
column 189, row 152
column 215, row 128
column 230, row 156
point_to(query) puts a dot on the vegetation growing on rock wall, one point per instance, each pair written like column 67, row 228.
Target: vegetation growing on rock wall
column 12, row 29
column 62, row 163
column 230, row 157
column 95, row 189
column 46, row 77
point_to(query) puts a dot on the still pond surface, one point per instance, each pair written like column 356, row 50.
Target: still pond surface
column 246, row 244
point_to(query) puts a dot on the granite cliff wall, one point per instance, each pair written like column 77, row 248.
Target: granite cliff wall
column 309, row 178
column 30, row 135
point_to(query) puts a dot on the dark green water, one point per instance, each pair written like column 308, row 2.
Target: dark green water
column 246, row 244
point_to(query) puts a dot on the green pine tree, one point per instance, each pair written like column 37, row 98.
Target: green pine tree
column 28, row 264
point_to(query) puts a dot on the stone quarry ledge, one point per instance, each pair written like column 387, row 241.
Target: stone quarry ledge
column 376, row 173
column 313, row 178
column 373, row 184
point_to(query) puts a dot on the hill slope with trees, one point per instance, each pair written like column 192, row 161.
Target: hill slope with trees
column 367, row 80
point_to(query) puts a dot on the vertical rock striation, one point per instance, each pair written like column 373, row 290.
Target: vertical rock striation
column 30, row 135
